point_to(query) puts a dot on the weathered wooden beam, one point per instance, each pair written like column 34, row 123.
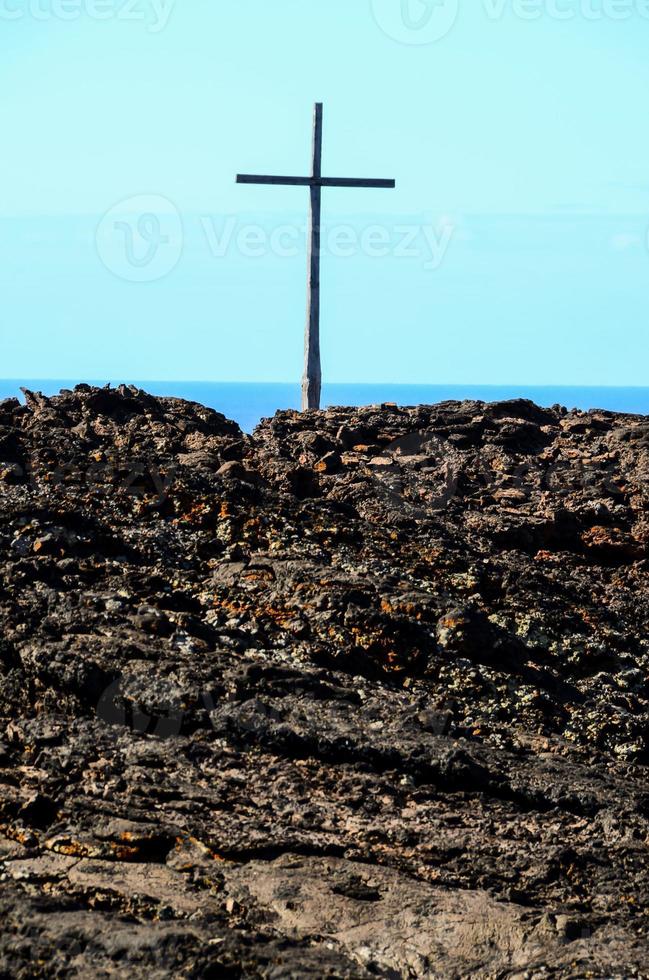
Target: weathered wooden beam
column 356, row 182
column 314, row 181
column 312, row 380
column 316, row 168
column 261, row 179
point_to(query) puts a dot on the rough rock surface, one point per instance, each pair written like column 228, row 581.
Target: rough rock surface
column 363, row 695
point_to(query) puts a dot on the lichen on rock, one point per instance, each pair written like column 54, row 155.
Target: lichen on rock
column 363, row 694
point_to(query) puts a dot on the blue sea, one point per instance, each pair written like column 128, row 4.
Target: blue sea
column 247, row 403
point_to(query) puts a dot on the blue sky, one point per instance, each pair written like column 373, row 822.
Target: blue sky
column 514, row 249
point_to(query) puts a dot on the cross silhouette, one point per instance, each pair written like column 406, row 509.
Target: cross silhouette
column 312, row 380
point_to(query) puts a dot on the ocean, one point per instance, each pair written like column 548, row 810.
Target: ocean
column 247, row 403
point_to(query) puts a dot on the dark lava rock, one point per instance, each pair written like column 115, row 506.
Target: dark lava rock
column 363, row 695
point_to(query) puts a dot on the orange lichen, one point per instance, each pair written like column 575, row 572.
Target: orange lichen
column 69, row 847
column 277, row 615
column 24, row 837
column 404, row 608
column 182, row 842
column 125, row 853
column 259, row 575
column 197, row 512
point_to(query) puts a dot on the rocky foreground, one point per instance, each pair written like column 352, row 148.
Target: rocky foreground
column 363, row 695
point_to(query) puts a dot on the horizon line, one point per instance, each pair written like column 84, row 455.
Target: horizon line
column 402, row 384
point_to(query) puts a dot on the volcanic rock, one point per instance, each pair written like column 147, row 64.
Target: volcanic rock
column 364, row 694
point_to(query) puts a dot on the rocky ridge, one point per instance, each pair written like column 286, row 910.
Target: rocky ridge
column 364, row 694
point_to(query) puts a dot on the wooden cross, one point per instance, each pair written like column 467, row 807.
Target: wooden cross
column 312, row 380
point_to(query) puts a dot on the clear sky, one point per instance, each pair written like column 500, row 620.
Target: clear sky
column 513, row 250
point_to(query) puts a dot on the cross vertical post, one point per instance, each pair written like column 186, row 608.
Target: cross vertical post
column 312, row 380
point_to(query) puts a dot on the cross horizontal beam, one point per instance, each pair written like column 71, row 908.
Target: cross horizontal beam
column 315, row 181
column 356, row 182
